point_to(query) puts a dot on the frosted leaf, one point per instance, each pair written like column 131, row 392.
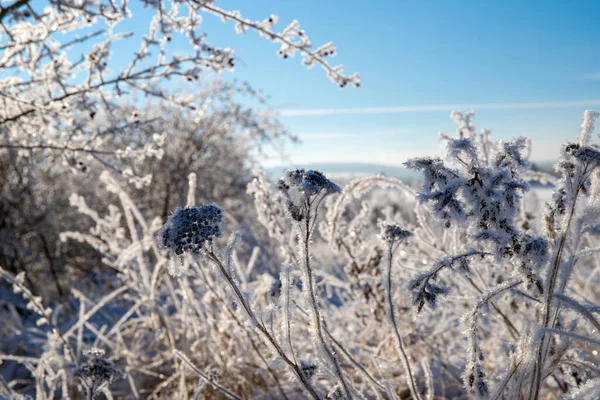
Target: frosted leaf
column 20, row 277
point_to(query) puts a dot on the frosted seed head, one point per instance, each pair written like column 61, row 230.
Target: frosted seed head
column 391, row 233
column 188, row 229
column 309, row 183
column 587, row 154
column 308, row 368
column 95, row 372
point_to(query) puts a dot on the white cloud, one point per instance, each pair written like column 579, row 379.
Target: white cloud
column 594, row 76
column 328, row 135
column 304, row 112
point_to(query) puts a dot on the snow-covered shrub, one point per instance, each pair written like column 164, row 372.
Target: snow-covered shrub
column 73, row 98
column 222, row 147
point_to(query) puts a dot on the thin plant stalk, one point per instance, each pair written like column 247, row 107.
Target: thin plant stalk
column 261, row 328
column 314, row 307
column 410, row 379
column 548, row 296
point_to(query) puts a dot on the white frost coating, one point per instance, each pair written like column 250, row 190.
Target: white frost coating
column 587, row 127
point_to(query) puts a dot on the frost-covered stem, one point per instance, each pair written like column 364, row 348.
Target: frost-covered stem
column 261, row 328
column 287, row 324
column 80, row 329
column 272, row 35
column 4, row 11
column 428, row 379
column 262, row 358
column 507, row 379
column 579, row 308
column 475, row 375
column 55, row 148
column 5, row 386
column 40, row 310
column 145, row 275
column 248, row 333
column 410, row 378
column 361, row 186
column 187, row 362
column 376, row 385
column 191, row 196
column 514, row 332
column 235, row 288
column 576, row 336
column 548, row 296
column 96, row 307
column 314, row 307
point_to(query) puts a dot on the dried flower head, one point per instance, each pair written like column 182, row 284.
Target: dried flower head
column 308, row 183
column 391, row 233
column 96, row 372
column 588, row 154
column 308, row 368
column 301, row 188
column 188, row 229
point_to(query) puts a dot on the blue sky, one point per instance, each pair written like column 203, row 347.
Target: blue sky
column 526, row 68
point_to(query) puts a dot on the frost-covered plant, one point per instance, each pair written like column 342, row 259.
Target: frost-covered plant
column 271, row 210
column 96, row 372
column 482, row 193
column 481, row 241
column 392, row 236
column 304, row 192
column 486, row 293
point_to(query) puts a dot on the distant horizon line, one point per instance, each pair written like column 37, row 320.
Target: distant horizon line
column 305, row 112
column 312, row 163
